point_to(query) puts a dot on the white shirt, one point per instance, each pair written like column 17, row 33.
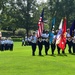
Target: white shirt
column 11, row 42
column 2, row 41
column 34, row 39
column 68, row 34
column 29, row 38
column 45, row 35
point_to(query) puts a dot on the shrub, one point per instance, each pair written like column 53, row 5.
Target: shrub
column 20, row 32
column 7, row 33
column 17, row 39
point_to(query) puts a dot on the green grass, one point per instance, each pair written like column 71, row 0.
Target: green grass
column 21, row 62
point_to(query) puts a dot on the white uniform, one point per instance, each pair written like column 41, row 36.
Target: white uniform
column 34, row 39
column 11, row 44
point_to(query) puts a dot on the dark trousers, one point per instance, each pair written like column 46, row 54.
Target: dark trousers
column 46, row 44
column 46, row 49
column 53, row 47
column 69, row 46
column 22, row 43
column 63, row 52
column 2, row 47
column 73, row 47
column 33, row 48
column 6, row 46
column 29, row 43
column 58, row 50
column 11, row 47
column 40, row 46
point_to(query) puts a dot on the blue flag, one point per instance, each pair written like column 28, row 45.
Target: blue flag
column 72, row 28
column 53, row 23
column 51, row 36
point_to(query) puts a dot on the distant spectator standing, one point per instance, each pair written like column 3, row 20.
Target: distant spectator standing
column 26, row 40
column 23, row 42
column 29, row 39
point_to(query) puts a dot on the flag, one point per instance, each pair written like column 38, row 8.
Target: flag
column 40, row 24
column 58, row 36
column 0, row 35
column 53, row 23
column 61, row 23
column 72, row 28
column 51, row 37
column 62, row 42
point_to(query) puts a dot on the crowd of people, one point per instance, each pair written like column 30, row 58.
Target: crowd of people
column 6, row 44
column 48, row 39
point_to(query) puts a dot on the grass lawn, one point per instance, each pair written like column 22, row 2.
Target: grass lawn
column 21, row 62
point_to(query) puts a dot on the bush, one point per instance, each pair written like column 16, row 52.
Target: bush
column 17, row 39
column 7, row 33
column 20, row 32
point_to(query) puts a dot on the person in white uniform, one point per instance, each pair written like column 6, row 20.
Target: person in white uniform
column 33, row 43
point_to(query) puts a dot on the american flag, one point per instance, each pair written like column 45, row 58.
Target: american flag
column 40, row 25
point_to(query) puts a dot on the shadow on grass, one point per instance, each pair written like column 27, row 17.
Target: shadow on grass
column 72, row 53
column 54, row 55
column 62, row 55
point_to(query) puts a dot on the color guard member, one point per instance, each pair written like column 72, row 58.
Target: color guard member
column 52, row 41
column 40, row 45
column 69, row 40
column 46, row 43
column 33, row 41
column 73, row 41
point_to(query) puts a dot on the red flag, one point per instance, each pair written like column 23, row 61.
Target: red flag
column 40, row 25
column 62, row 43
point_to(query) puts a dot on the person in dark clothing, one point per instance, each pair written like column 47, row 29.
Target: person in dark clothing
column 58, row 49
column 33, row 43
column 40, row 45
column 53, row 46
column 69, row 40
column 73, row 41
column 46, row 44
column 52, row 39
column 63, row 51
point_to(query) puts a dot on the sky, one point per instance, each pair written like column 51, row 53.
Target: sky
column 41, row 1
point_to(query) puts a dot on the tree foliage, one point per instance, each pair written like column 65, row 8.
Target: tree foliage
column 62, row 8
column 16, row 14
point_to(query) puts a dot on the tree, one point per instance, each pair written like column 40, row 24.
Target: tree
column 17, row 14
column 62, row 8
